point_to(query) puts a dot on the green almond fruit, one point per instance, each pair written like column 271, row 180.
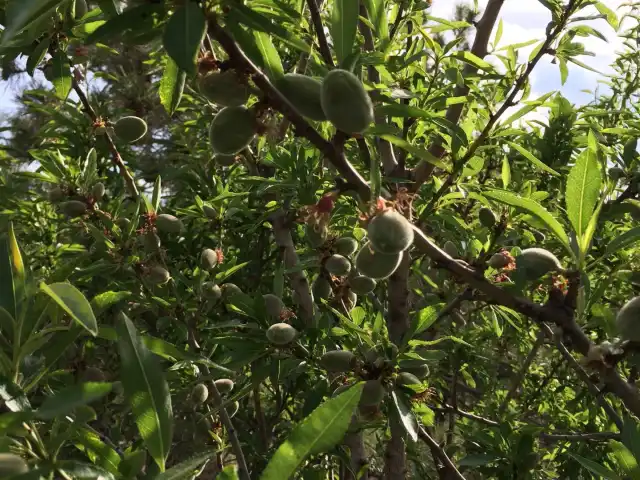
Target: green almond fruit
column 536, row 262
column 346, row 246
column 81, row 9
column 211, row 291
column 273, row 305
column 151, row 242
column 337, row 265
column 158, row 275
column 224, row 385
column 338, row 361
column 12, row 465
column 97, row 192
column 499, row 260
column 210, row 212
column 130, row 129
column 628, row 320
column 73, row 208
column 56, row 194
column 376, row 265
column 350, row 300
column 373, row 393
column 321, row 288
column 487, row 218
column 345, row 102
column 225, row 160
column 224, row 88
column 304, row 93
column 168, row 223
column 451, row 249
column 208, row 259
column 420, row 371
column 316, row 235
column 281, row 334
column 407, row 378
column 390, row 232
column 232, row 130
column 230, row 290
column 199, row 394
column 362, row 285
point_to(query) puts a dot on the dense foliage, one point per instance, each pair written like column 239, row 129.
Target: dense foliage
column 315, row 239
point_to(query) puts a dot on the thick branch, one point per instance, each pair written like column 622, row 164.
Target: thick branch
column 317, row 26
column 440, row 455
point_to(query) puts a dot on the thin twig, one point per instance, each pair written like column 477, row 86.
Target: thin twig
column 440, row 455
column 571, row 437
column 471, row 416
column 314, row 10
column 115, row 155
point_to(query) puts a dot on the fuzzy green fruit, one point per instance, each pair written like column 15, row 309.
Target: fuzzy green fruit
column 199, row 394
column 168, row 223
column 97, row 192
column 337, row 265
column 81, row 9
column 230, row 290
column 316, row 236
column 73, row 208
column 420, row 371
column 93, row 374
column 362, row 285
column 487, row 217
column 406, row 378
column 304, row 93
column 224, row 88
column 390, row 232
column 451, row 249
column 12, row 465
column 536, row 262
column 273, row 305
column 158, row 275
column 372, row 393
column 208, row 259
column 350, row 300
column 225, row 160
column 224, row 385
column 346, row 246
column 232, row 130
column 211, row 291
column 151, row 242
column 130, row 129
column 499, row 260
column 210, row 212
column 345, row 102
column 376, row 265
column 281, row 334
column 321, row 288
column 338, row 361
column 628, row 319
column 56, row 194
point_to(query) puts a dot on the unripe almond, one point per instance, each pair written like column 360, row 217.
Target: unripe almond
column 376, row 265
column 499, row 260
column 281, row 334
column 451, row 249
column 338, row 361
column 151, row 242
column 74, row 208
column 199, row 394
column 225, row 160
column 321, row 288
column 211, row 291
column 168, row 223
column 372, row 394
column 628, row 320
column 224, row 385
column 390, row 232
column 362, row 285
column 97, row 192
column 208, row 259
column 337, row 265
column 420, row 371
column 12, row 465
column 158, row 275
column 536, row 262
column 346, row 246
column 230, row 290
column 210, row 212
column 406, row 378
column 316, row 235
column 487, row 217
column 56, row 194
column 273, row 305
column 130, row 129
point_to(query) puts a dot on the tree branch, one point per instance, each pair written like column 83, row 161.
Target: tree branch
column 317, row 26
column 572, row 437
column 440, row 455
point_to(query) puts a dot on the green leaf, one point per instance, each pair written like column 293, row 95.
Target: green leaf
column 14, row 399
column 623, row 241
column 532, row 158
column 102, row 454
column 37, row 55
column 21, row 14
column 146, row 388
column 378, row 17
column 318, row 433
column 157, row 193
column 594, row 467
column 171, row 86
column 583, row 189
column 61, row 74
column 229, row 472
column 72, row 301
column 417, row 152
column 375, row 178
column 65, row 401
column 473, row 60
column 535, row 209
column 630, row 436
column 506, row 172
column 344, row 25
column 12, row 273
column 270, row 57
column 608, row 14
column 127, row 20
column 103, row 301
column 183, row 35
column 406, row 416
column 184, row 469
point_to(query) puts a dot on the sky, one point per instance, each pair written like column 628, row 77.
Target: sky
column 522, row 20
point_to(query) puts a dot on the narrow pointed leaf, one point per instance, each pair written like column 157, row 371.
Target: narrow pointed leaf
column 172, row 86
column 7, row 289
column 406, row 416
column 65, row 401
column 184, row 469
column 583, row 189
column 378, row 17
column 183, row 35
column 72, row 301
column 319, row 432
column 61, row 74
column 270, row 57
column 344, row 23
column 595, row 468
column 533, row 159
column 147, row 391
